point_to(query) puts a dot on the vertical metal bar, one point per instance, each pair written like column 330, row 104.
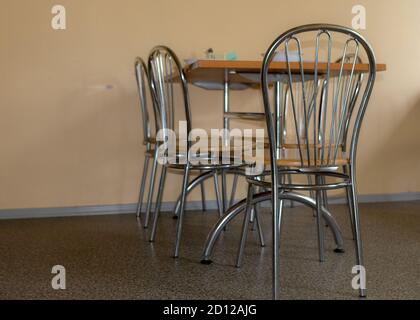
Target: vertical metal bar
column 224, row 190
column 290, row 181
column 226, row 101
column 203, row 195
column 284, row 115
column 234, row 187
column 316, row 88
column 277, row 218
column 346, row 100
column 356, row 217
column 304, row 100
column 252, row 217
column 324, row 100
column 226, row 126
column 151, row 188
column 161, row 84
column 158, row 204
column 217, row 192
column 181, row 210
column 292, row 97
column 171, row 93
column 142, row 186
column 320, row 221
column 325, row 196
column 245, row 225
column 259, row 228
column 351, row 211
column 333, row 136
column 140, row 73
column 278, row 114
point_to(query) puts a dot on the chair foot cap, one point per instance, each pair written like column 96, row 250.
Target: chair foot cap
column 175, row 217
column 339, row 251
column 206, row 262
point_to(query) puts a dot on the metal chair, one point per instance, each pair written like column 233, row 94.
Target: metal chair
column 166, row 76
column 329, row 119
column 149, row 140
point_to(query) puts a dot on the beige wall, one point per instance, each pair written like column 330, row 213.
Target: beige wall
column 67, row 141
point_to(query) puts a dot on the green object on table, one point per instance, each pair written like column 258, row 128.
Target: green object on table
column 231, row 56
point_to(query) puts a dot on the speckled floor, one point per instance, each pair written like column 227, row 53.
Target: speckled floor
column 108, row 257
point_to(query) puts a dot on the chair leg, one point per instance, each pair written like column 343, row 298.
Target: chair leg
column 320, row 222
column 245, row 226
column 234, row 187
column 350, row 205
column 142, row 186
column 325, row 197
column 254, row 214
column 181, row 210
column 158, row 204
column 356, row 220
column 312, row 193
column 259, row 228
column 325, row 200
column 203, row 196
column 351, row 210
column 289, row 180
column 217, row 192
column 224, row 190
column 277, row 220
column 151, row 189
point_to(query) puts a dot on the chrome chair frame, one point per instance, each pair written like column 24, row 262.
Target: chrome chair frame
column 143, row 85
column 161, row 82
column 310, row 164
column 142, row 79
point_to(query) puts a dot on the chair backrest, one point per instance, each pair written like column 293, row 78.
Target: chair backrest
column 170, row 90
column 285, row 105
column 143, row 87
column 323, row 96
column 168, row 79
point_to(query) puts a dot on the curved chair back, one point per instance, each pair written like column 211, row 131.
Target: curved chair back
column 143, row 86
column 167, row 76
column 356, row 85
column 285, row 109
column 327, row 100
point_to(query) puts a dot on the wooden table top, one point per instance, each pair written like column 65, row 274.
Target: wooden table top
column 214, row 70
